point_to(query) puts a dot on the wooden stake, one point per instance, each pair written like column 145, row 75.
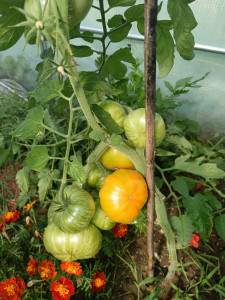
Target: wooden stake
column 150, row 95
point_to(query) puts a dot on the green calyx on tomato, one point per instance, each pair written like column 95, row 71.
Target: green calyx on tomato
column 77, row 9
column 123, row 195
column 115, row 110
column 113, row 159
column 100, row 219
column 96, row 176
column 134, row 127
column 75, row 212
column 72, row 246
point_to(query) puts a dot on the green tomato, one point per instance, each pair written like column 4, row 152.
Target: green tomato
column 77, row 9
column 96, row 177
column 100, row 219
column 74, row 213
column 116, row 111
column 68, row 247
column 134, row 127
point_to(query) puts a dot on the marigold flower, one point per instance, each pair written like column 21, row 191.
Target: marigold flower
column 99, row 283
column 12, row 289
column 28, row 206
column 119, row 230
column 194, row 241
column 11, row 216
column 71, row 267
column 32, row 267
column 47, row 270
column 199, row 186
column 2, row 226
column 63, row 289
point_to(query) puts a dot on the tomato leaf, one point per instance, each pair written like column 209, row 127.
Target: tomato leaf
column 119, row 33
column 46, row 91
column 81, row 51
column 220, row 225
column 106, row 119
column 37, row 158
column 113, row 65
column 114, row 3
column 46, row 177
column 9, row 35
column 134, row 13
column 98, row 135
column 115, row 21
column 165, row 48
column 183, row 227
column 32, row 124
column 22, row 179
column 207, row 170
column 200, row 214
column 184, row 22
column 180, row 186
column 76, row 171
column 115, row 139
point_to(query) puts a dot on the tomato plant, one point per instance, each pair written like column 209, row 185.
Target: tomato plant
column 72, row 246
column 123, row 195
column 114, row 159
column 77, row 10
column 134, row 126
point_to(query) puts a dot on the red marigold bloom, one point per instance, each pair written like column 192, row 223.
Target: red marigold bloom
column 2, row 226
column 199, row 186
column 47, row 270
column 32, row 267
column 11, row 216
column 71, row 267
column 12, row 289
column 194, row 241
column 99, row 283
column 119, row 230
column 63, row 289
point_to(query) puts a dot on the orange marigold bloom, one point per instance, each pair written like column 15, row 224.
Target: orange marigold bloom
column 63, row 289
column 12, row 289
column 47, row 270
column 2, row 226
column 71, row 267
column 32, row 267
column 11, row 216
column 99, row 283
column 119, row 230
column 28, row 206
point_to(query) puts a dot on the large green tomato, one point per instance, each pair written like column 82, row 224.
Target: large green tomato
column 68, row 247
column 134, row 127
column 75, row 212
column 78, row 9
column 96, row 177
column 100, row 219
column 116, row 111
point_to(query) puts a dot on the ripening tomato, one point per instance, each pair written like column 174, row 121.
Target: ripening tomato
column 134, row 127
column 116, row 111
column 113, row 159
column 96, row 176
column 123, row 195
column 77, row 9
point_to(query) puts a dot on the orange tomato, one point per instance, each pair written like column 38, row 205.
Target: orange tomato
column 123, row 194
column 113, row 159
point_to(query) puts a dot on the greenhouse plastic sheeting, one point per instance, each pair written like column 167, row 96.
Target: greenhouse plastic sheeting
column 205, row 104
